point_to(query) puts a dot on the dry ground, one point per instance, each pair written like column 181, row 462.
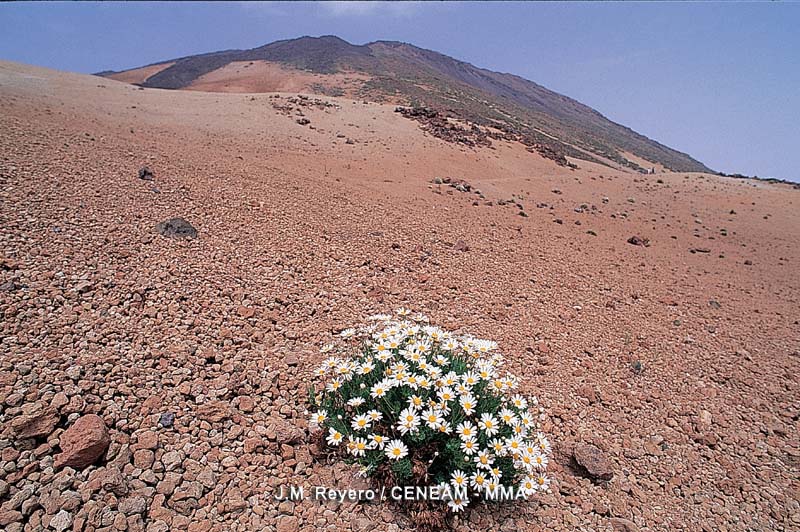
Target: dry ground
column 683, row 367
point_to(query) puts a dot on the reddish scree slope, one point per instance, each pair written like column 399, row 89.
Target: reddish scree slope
column 301, row 233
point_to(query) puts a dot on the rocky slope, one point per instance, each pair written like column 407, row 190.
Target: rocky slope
column 405, row 73
column 678, row 359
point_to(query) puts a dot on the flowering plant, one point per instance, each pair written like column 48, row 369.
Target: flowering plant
column 415, row 403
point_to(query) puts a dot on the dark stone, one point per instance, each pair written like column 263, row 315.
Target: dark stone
column 145, row 173
column 166, row 419
column 176, row 228
column 10, row 286
column 638, row 241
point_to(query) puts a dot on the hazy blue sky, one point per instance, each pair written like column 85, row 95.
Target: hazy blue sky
column 720, row 81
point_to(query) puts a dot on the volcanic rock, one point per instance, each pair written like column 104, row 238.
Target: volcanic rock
column 176, row 228
column 623, row 525
column 214, row 411
column 83, row 443
column 145, row 173
column 594, row 461
column 36, row 421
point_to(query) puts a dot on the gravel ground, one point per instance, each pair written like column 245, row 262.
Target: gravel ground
column 678, row 360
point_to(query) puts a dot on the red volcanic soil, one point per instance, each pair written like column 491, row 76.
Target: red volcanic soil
column 679, row 360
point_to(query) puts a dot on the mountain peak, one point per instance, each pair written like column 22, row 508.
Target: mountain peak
column 404, row 73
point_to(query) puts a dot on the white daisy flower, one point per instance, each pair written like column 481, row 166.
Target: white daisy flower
column 489, row 424
column 360, row 422
column 526, row 419
column 415, row 402
column 540, row 461
column 468, row 404
column 525, row 460
column 466, row 430
column 380, row 347
column 459, row 479
column 469, row 447
column 380, row 389
column 507, row 416
column 355, row 402
column 457, row 504
column 463, row 389
column 408, row 421
column 486, row 373
column 376, row 441
column 334, row 437
column 411, row 381
column 384, row 356
column 319, row 417
column 519, row 429
column 478, row 480
column 484, row 459
column 433, row 418
column 470, row 379
column 358, row 447
column 498, row 446
column 544, row 444
column 396, row 450
column 514, row 444
column 451, row 344
column 374, row 415
column 519, row 402
column 528, row 485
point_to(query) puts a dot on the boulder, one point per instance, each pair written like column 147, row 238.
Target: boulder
column 36, row 421
column 145, row 173
column 83, row 443
column 176, row 228
column 214, row 411
column 594, row 461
